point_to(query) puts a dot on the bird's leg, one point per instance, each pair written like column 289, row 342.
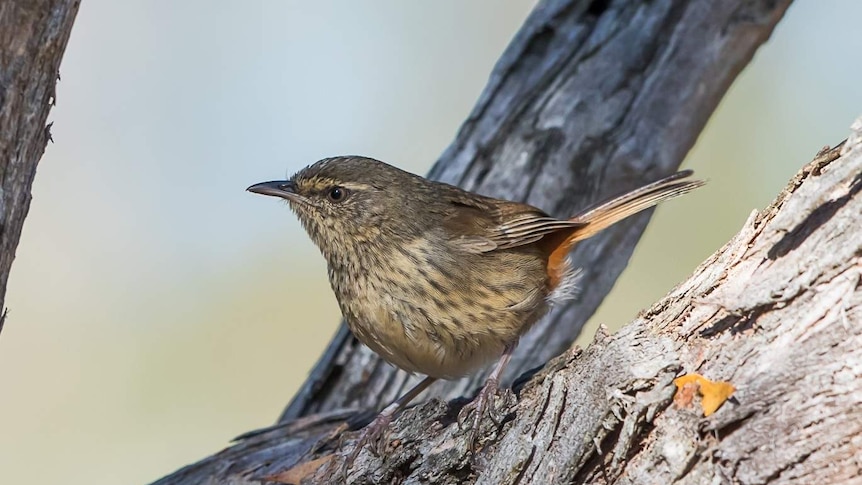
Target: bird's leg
column 484, row 402
column 372, row 433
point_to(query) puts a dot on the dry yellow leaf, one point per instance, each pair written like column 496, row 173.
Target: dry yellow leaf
column 713, row 394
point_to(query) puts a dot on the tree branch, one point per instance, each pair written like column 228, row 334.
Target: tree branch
column 33, row 36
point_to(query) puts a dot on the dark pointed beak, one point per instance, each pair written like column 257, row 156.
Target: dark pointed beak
column 276, row 188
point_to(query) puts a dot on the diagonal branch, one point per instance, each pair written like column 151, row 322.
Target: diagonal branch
column 33, row 36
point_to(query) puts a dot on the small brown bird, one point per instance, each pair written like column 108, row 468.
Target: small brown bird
column 438, row 280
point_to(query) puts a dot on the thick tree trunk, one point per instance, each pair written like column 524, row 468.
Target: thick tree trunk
column 591, row 98
column 33, row 36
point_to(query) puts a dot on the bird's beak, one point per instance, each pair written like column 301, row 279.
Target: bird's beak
column 276, row 188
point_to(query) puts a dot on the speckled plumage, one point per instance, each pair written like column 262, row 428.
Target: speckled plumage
column 435, row 279
column 413, row 290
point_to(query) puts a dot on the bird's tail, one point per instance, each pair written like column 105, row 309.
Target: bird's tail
column 605, row 214
column 599, row 217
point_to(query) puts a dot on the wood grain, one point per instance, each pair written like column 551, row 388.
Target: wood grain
column 33, row 37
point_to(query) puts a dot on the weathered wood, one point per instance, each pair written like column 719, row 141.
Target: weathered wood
column 777, row 311
column 33, row 36
column 591, row 98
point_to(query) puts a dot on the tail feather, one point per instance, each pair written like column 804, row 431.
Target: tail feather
column 605, row 214
column 601, row 216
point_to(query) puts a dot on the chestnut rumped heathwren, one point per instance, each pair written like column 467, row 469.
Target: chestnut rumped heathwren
column 438, row 280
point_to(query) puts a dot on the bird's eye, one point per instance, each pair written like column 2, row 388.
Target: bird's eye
column 337, row 194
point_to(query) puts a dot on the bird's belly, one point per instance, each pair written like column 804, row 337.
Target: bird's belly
column 445, row 345
column 434, row 349
column 431, row 313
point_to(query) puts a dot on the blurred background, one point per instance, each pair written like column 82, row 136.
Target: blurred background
column 157, row 310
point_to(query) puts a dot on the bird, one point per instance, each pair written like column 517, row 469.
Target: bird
column 438, row 280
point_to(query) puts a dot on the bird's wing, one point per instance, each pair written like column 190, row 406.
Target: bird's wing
column 481, row 224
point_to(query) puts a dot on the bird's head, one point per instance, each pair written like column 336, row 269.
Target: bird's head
column 344, row 202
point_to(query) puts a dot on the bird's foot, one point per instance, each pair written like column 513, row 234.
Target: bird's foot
column 372, row 437
column 484, row 405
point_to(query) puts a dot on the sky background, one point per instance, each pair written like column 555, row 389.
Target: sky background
column 157, row 310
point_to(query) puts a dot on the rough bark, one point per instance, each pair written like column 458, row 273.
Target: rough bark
column 590, row 98
column 777, row 312
column 33, row 36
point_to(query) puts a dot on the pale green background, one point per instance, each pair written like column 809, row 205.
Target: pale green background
column 157, row 310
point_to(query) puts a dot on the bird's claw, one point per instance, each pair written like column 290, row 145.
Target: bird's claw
column 371, row 437
column 484, row 405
